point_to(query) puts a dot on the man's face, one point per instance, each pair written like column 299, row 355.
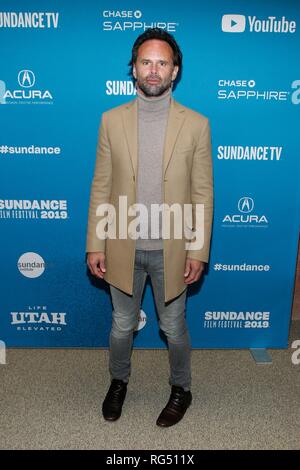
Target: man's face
column 154, row 70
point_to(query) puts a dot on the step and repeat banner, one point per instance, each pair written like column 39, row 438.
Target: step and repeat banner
column 63, row 63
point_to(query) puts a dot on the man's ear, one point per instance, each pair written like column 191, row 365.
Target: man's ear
column 134, row 71
column 175, row 72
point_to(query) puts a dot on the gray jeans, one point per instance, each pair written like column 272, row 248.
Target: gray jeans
column 172, row 321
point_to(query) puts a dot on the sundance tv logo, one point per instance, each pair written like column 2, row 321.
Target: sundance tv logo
column 248, row 152
column 32, row 19
column 239, row 24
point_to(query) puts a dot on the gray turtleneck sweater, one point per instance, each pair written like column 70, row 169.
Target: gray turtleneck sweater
column 152, row 121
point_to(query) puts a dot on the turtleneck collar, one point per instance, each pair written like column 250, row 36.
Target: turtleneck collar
column 153, row 103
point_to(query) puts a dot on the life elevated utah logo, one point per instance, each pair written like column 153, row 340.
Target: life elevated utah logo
column 246, row 216
column 38, row 318
column 271, row 24
column 27, row 92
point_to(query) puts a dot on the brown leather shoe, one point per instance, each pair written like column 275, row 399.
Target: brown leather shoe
column 176, row 407
column 113, row 402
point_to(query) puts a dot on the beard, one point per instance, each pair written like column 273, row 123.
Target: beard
column 154, row 89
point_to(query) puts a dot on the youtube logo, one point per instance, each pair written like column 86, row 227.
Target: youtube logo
column 233, row 23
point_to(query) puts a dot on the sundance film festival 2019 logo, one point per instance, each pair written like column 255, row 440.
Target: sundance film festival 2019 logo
column 231, row 320
column 38, row 318
column 247, row 90
column 27, row 93
column 47, row 209
column 132, row 20
column 246, row 216
column 240, row 23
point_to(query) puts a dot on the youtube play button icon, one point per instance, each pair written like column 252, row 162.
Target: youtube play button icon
column 233, row 23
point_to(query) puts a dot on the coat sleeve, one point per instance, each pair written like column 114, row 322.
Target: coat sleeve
column 100, row 188
column 202, row 189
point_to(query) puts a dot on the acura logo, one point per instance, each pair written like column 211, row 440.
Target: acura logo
column 246, row 204
column 26, row 78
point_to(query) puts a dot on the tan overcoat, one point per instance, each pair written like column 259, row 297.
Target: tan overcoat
column 187, row 179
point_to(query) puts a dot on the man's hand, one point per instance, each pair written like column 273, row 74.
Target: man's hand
column 193, row 270
column 96, row 263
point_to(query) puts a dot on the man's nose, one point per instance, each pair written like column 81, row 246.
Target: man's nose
column 154, row 68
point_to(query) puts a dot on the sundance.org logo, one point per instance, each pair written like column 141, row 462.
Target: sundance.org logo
column 237, row 24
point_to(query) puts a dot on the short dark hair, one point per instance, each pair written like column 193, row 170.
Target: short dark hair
column 162, row 35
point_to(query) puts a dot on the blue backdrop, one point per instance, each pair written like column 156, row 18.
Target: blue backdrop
column 62, row 65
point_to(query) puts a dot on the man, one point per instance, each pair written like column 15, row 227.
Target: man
column 150, row 151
